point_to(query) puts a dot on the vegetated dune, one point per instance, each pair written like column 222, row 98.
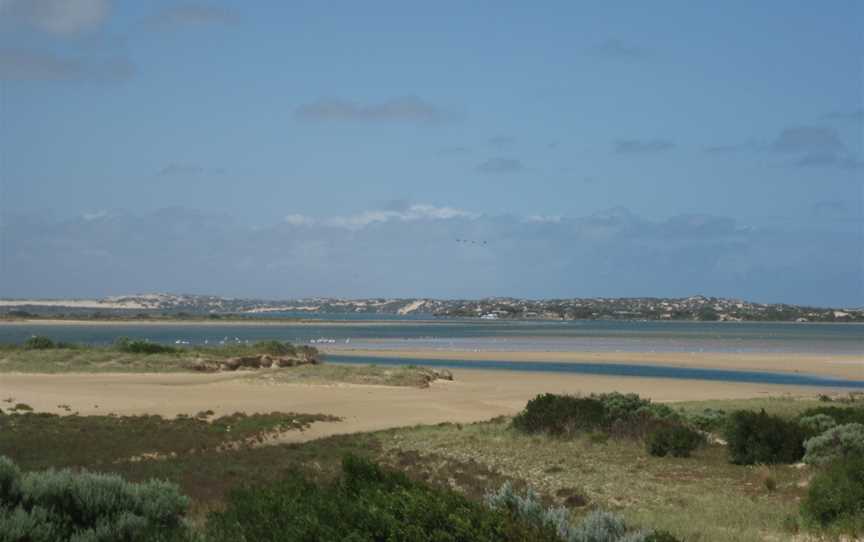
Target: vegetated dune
column 471, row 396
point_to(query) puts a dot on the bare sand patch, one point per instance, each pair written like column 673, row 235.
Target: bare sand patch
column 474, row 395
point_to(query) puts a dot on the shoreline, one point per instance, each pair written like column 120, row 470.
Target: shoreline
column 374, row 321
column 847, row 367
column 213, row 323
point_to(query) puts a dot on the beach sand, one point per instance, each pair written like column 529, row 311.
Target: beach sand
column 847, row 367
column 474, row 395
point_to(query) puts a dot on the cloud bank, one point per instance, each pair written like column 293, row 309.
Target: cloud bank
column 412, row 251
column 61, row 17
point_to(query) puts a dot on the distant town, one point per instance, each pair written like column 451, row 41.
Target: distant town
column 694, row 308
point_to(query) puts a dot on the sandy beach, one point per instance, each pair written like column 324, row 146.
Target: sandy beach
column 848, row 367
column 474, row 395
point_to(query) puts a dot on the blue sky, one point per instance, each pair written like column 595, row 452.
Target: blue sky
column 324, row 148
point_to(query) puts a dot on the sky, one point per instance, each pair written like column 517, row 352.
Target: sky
column 433, row 149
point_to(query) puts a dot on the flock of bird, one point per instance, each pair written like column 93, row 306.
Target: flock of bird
column 470, row 242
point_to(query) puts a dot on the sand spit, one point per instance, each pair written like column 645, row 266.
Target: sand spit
column 847, row 367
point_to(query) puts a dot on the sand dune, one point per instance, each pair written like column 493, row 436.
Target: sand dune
column 474, row 395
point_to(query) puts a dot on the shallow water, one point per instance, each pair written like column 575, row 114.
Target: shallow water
column 613, row 369
column 588, row 336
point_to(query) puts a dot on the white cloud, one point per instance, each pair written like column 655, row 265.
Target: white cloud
column 95, row 215
column 412, row 213
column 62, row 17
column 553, row 219
column 299, row 220
column 360, row 220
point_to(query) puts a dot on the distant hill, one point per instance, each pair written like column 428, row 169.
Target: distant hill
column 697, row 308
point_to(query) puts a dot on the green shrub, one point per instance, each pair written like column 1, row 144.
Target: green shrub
column 817, row 423
column 661, row 536
column 560, row 415
column 840, row 415
column 760, row 438
column 528, row 508
column 39, row 342
column 622, row 407
column 275, row 348
column 835, row 497
column 124, row 344
column 366, row 503
column 709, row 419
column 64, row 505
column 598, row 526
column 674, row 440
column 835, row 443
column 622, row 415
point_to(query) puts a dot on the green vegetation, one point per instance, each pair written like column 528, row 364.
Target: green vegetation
column 839, row 442
column 86, row 507
column 375, row 375
column 621, row 415
column 703, row 497
column 758, row 437
column 674, row 440
column 125, row 344
column 127, row 355
column 839, row 415
column 560, row 415
column 130, row 356
column 835, row 499
column 276, row 348
column 39, row 441
column 617, row 413
column 364, row 503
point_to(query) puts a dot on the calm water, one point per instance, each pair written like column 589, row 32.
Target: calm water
column 614, row 369
column 494, row 336
column 505, row 336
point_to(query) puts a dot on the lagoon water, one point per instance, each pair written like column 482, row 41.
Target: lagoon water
column 449, row 334
column 614, row 369
column 502, row 336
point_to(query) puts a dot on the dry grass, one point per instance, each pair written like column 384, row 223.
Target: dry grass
column 698, row 498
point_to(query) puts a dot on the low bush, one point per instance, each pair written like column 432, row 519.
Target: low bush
column 835, row 497
column 64, row 505
column 840, row 415
column 835, row 443
column 629, row 406
column 709, row 419
column 560, row 415
column 674, row 440
column 366, row 503
column 275, row 348
column 661, row 536
column 39, row 342
column 124, row 344
column 623, row 415
column 817, row 423
column 598, row 526
column 761, row 438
